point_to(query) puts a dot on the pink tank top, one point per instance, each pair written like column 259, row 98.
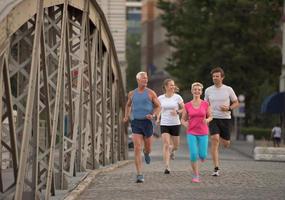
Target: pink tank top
column 196, row 118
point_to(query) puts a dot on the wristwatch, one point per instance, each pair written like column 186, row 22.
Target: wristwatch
column 153, row 116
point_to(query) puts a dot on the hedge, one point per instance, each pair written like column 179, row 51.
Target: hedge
column 259, row 133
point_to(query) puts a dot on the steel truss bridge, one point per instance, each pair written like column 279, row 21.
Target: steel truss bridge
column 61, row 96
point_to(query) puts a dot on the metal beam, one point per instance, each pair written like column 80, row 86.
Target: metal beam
column 30, row 101
column 62, row 65
column 60, row 77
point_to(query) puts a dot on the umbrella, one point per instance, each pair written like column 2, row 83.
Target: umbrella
column 274, row 103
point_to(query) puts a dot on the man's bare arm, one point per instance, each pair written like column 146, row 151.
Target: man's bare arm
column 234, row 105
column 156, row 103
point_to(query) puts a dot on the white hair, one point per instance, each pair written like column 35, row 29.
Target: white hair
column 139, row 75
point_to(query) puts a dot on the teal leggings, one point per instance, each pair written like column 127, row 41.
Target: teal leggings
column 198, row 145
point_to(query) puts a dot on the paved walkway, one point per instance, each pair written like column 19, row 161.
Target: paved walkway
column 241, row 178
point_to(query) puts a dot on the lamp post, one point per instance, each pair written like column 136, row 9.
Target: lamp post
column 238, row 114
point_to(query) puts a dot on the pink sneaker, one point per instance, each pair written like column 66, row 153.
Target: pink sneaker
column 196, row 179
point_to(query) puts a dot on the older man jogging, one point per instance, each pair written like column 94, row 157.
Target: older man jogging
column 144, row 105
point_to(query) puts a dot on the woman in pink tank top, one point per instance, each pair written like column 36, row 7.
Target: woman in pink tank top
column 195, row 117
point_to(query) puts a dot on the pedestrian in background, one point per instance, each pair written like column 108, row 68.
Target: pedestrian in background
column 222, row 100
column 144, row 105
column 195, row 117
column 169, row 120
column 276, row 135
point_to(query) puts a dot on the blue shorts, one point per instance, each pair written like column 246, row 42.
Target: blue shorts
column 142, row 126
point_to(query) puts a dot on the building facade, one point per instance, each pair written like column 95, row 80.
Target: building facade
column 133, row 16
column 115, row 13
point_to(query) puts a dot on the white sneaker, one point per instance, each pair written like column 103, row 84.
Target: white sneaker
column 216, row 172
column 140, row 178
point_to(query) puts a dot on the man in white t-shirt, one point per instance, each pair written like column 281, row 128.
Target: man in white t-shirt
column 223, row 100
column 276, row 135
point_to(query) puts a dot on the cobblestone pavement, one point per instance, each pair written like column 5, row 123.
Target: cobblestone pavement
column 241, row 178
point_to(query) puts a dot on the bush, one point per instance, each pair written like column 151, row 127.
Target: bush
column 259, row 133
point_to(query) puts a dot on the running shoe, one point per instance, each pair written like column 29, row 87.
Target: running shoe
column 216, row 172
column 146, row 158
column 196, row 179
column 140, row 178
column 166, row 171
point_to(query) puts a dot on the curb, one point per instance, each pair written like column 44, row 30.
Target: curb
column 269, row 154
column 74, row 193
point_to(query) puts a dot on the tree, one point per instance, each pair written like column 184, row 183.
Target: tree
column 133, row 59
column 234, row 34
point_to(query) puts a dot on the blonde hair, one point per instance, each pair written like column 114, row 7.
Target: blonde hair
column 197, row 84
column 139, row 75
column 165, row 83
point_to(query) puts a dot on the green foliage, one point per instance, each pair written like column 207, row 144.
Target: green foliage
column 259, row 133
column 234, row 34
column 133, row 59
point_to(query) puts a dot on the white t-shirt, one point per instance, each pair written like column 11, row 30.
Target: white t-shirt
column 276, row 132
column 218, row 97
column 169, row 104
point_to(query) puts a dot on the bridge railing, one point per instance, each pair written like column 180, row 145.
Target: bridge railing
column 61, row 96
